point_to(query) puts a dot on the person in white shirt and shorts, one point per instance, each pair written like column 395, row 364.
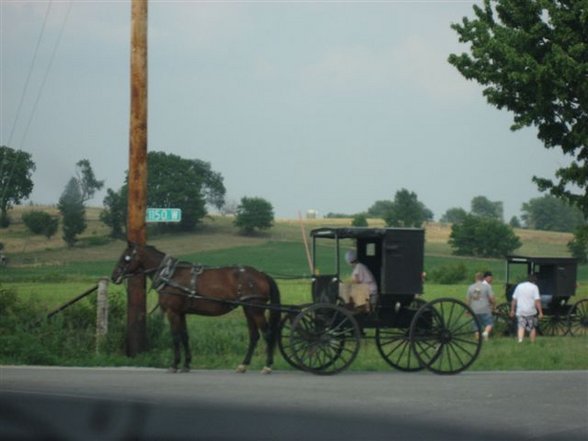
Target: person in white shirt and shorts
column 526, row 305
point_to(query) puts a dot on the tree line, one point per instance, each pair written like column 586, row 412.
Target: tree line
column 193, row 186
column 531, row 58
column 173, row 182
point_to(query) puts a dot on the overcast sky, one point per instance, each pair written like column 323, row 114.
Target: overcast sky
column 310, row 105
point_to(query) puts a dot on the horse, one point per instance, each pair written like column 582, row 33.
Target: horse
column 186, row 288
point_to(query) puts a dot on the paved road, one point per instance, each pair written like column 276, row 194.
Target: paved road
column 128, row 403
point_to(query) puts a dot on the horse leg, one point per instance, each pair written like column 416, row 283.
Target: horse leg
column 185, row 343
column 270, row 340
column 253, row 339
column 175, row 325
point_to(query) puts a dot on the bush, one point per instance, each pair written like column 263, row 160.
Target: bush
column 40, row 222
column 449, row 274
column 359, row 220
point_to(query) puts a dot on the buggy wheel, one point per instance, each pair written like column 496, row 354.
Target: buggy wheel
column 394, row 347
column 443, row 336
column 284, row 341
column 324, row 339
column 553, row 325
column 578, row 318
column 504, row 324
column 394, row 344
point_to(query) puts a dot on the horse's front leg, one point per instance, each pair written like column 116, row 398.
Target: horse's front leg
column 176, row 333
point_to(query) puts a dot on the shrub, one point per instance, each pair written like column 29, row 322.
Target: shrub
column 449, row 274
column 359, row 220
column 40, row 222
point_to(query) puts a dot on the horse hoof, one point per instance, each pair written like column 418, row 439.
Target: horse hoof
column 172, row 370
column 266, row 370
column 241, row 369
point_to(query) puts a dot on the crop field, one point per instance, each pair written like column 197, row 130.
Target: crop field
column 44, row 274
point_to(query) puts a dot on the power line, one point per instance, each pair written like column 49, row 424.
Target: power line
column 47, row 70
column 39, row 93
column 31, row 67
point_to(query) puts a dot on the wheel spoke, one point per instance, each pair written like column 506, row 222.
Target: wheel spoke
column 445, row 343
column 325, row 339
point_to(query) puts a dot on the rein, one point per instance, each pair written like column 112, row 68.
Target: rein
column 162, row 277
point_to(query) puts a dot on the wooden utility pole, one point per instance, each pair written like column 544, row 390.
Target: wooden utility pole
column 137, row 202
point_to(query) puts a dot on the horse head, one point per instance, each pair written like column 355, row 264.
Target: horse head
column 128, row 264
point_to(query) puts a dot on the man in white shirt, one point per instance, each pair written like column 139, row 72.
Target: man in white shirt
column 526, row 304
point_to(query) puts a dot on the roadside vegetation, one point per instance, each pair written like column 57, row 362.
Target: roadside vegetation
column 43, row 274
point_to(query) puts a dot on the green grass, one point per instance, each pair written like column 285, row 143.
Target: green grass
column 46, row 278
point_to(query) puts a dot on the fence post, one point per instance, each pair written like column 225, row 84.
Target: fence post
column 101, row 312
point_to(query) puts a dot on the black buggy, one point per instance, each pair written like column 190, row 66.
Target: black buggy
column 556, row 279
column 324, row 336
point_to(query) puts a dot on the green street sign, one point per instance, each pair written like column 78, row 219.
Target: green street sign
column 163, row 215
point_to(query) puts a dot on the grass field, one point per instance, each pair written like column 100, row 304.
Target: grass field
column 46, row 274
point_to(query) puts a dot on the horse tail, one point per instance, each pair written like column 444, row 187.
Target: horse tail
column 275, row 313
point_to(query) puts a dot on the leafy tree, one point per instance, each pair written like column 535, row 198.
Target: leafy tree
column 453, row 216
column 579, row 245
column 551, row 214
column 532, row 58
column 41, row 222
column 115, row 212
column 380, row 209
column 407, row 211
column 359, row 220
column 484, row 207
column 515, row 222
column 172, row 182
column 71, row 207
column 16, row 169
column 86, row 180
column 482, row 237
column 254, row 214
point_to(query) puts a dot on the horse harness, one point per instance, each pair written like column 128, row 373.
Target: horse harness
column 164, row 276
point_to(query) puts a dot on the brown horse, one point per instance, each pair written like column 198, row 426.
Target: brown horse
column 185, row 288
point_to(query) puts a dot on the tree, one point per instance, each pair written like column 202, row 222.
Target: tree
column 483, row 237
column 172, row 182
column 484, row 207
column 16, row 169
column 115, row 212
column 254, row 214
column 579, row 245
column 453, row 216
column 41, row 222
column 86, row 180
column 532, row 58
column 71, row 207
column 380, row 209
column 551, row 214
column 407, row 211
column 514, row 222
